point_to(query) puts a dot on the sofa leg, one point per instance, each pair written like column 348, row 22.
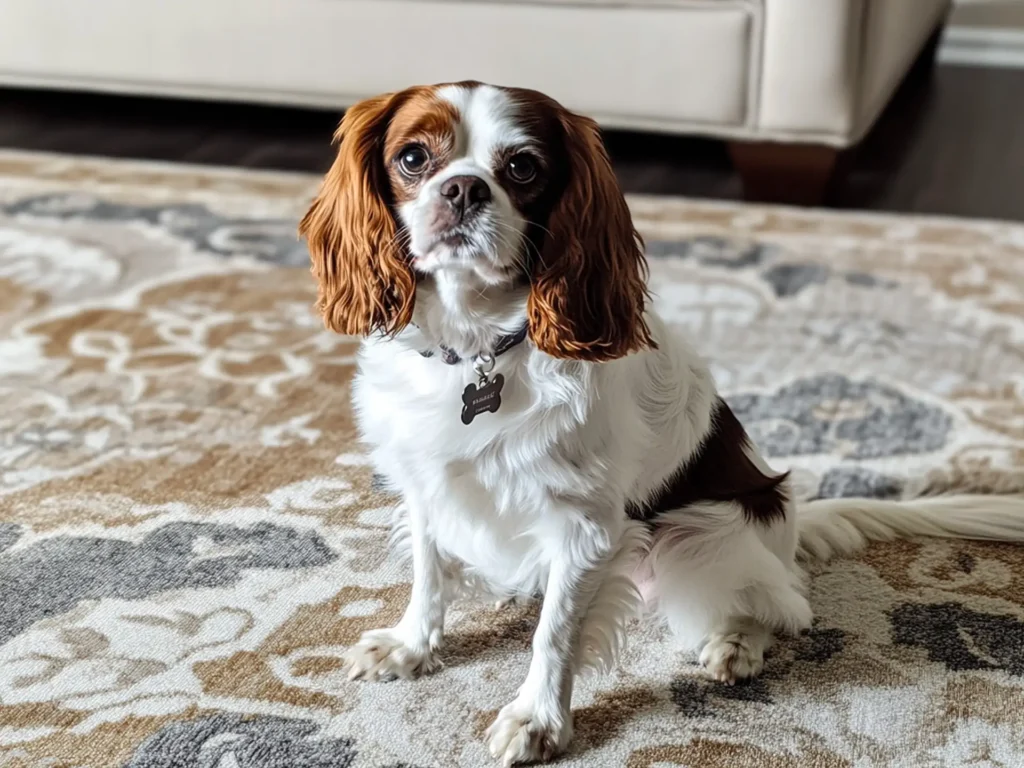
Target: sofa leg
column 924, row 66
column 797, row 174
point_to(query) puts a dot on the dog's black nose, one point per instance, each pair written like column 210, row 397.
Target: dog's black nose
column 465, row 193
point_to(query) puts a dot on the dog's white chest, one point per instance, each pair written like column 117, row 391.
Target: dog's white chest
column 486, row 488
column 499, row 545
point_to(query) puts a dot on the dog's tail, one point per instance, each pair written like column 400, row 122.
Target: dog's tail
column 830, row 527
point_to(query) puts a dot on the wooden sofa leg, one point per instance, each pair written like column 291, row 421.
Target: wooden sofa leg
column 924, row 67
column 797, row 174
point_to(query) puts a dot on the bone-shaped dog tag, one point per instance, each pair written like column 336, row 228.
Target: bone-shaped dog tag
column 483, row 399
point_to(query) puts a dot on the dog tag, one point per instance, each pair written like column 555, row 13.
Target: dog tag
column 483, row 399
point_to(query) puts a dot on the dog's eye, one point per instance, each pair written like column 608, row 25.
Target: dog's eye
column 413, row 160
column 522, row 169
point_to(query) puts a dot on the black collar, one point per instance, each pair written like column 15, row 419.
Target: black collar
column 505, row 343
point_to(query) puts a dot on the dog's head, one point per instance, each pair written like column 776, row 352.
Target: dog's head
column 495, row 186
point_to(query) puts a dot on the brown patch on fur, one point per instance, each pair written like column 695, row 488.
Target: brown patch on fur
column 529, row 198
column 423, row 119
column 589, row 279
column 720, row 471
column 588, row 272
column 359, row 260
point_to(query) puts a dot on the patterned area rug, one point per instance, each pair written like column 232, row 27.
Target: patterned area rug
column 191, row 536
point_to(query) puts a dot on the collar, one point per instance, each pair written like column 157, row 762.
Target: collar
column 505, row 343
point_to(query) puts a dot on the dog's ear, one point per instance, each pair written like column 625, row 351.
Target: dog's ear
column 365, row 282
column 589, row 283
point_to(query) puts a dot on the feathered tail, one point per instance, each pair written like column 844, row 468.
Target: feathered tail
column 830, row 527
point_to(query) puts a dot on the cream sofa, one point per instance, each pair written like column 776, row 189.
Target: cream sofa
column 811, row 74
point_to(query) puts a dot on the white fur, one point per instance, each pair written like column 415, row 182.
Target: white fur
column 843, row 526
column 487, row 126
column 531, row 499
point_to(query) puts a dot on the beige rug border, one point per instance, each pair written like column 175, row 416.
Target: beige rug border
column 34, row 168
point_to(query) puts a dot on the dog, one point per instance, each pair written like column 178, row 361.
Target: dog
column 547, row 433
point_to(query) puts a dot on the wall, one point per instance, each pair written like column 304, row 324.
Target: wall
column 994, row 14
column 984, row 33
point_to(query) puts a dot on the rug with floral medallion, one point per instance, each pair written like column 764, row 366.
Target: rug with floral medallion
column 190, row 535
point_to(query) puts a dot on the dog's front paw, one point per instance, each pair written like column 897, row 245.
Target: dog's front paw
column 521, row 734
column 382, row 654
column 732, row 657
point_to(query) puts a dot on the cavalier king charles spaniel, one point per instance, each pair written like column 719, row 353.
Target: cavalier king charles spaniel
column 547, row 432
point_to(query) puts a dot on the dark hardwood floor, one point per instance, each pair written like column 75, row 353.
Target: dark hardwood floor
column 951, row 142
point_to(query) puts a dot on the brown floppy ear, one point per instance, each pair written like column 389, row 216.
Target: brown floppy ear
column 589, row 284
column 365, row 283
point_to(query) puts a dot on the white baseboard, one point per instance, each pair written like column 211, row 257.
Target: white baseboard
column 982, row 47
